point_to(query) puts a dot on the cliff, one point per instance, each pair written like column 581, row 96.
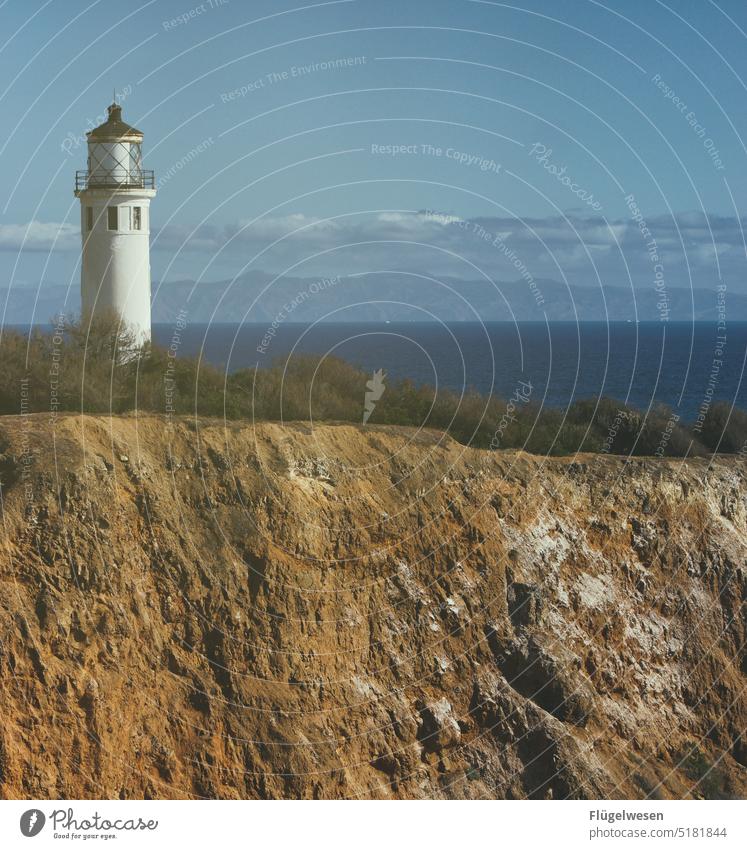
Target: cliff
column 210, row 610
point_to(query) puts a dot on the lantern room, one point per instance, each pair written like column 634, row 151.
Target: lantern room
column 114, row 156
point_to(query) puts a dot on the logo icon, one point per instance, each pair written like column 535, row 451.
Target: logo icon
column 32, row 822
column 375, row 389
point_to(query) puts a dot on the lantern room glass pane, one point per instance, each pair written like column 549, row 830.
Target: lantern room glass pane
column 115, row 163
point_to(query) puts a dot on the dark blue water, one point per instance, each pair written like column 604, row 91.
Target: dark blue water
column 679, row 364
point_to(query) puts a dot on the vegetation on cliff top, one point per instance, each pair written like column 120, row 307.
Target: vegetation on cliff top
column 90, row 367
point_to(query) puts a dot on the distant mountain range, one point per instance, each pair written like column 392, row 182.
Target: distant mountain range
column 378, row 297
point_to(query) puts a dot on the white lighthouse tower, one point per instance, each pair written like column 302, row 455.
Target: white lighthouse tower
column 115, row 194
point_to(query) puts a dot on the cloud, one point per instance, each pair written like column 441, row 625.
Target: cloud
column 39, row 236
column 583, row 249
column 580, row 248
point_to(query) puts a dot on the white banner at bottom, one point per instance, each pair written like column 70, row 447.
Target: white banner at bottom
column 360, row 824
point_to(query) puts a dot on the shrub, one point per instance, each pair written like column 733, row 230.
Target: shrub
column 97, row 367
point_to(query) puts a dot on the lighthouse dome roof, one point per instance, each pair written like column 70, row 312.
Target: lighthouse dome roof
column 114, row 127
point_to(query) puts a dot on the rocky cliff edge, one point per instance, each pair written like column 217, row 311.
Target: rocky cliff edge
column 193, row 609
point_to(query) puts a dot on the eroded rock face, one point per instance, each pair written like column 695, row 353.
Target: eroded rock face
column 201, row 610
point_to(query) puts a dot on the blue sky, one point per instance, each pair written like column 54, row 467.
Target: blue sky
column 537, row 118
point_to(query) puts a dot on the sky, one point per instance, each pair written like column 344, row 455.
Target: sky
column 598, row 143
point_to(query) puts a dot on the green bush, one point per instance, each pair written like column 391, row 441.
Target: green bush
column 97, row 367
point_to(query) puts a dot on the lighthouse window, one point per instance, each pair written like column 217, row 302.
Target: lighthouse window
column 137, row 218
column 89, row 218
column 112, row 217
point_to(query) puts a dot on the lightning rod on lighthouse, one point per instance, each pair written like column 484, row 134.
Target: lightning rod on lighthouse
column 115, row 194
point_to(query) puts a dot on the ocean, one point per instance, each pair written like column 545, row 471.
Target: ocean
column 681, row 364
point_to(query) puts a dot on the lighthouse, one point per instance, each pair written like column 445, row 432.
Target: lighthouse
column 115, row 194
